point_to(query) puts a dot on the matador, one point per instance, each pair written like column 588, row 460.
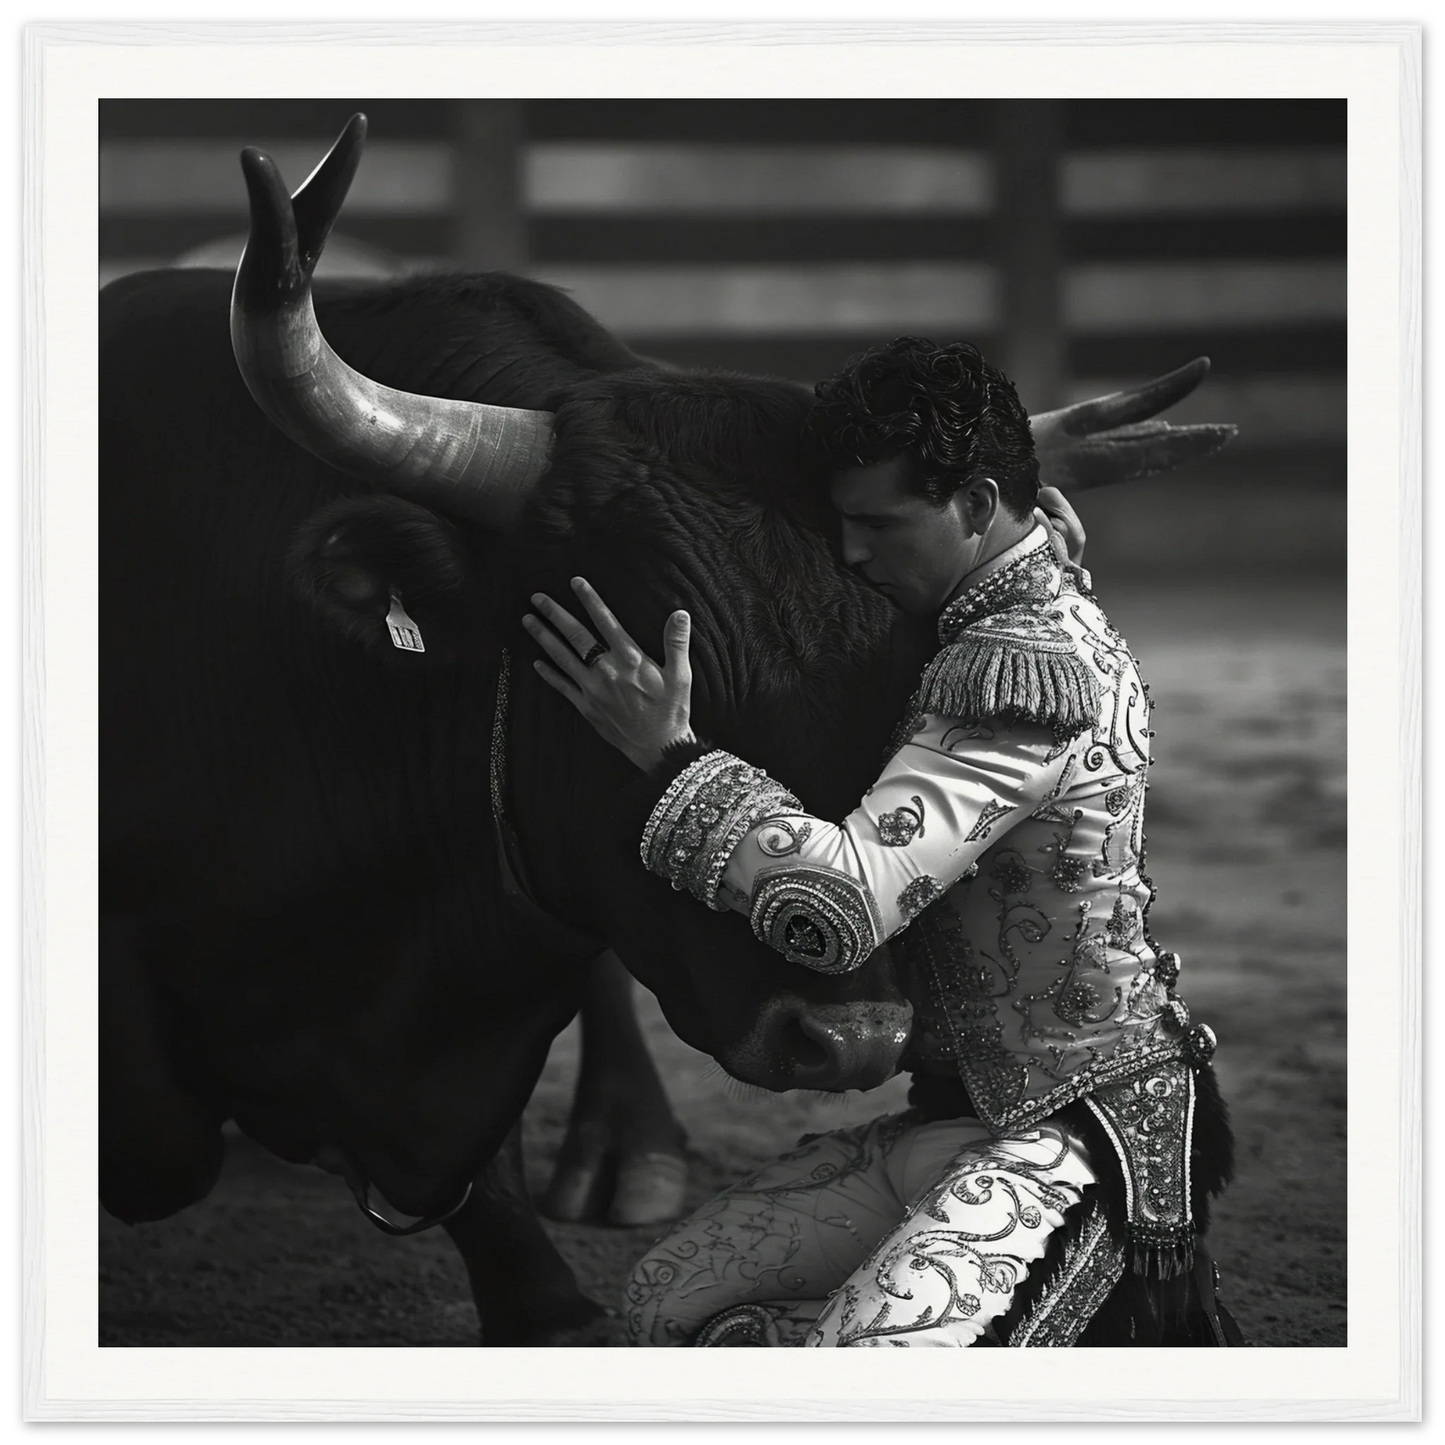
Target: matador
column 1049, row 1183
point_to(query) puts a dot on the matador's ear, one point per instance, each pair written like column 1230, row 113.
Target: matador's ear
column 1119, row 437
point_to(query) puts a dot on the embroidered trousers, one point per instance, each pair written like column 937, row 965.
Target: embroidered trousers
column 889, row 1234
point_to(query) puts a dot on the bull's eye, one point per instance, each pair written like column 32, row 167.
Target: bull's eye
column 353, row 585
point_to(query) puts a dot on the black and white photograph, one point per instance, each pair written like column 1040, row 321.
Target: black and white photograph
column 320, row 953
column 725, row 722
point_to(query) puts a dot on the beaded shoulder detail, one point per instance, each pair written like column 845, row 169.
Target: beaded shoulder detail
column 1033, row 578
column 1017, row 665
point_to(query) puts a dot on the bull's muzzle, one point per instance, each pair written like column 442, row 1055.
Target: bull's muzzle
column 836, row 1046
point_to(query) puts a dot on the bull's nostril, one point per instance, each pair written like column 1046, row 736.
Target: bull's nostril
column 797, row 1047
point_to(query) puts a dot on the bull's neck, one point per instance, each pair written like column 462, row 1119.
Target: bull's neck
column 557, row 776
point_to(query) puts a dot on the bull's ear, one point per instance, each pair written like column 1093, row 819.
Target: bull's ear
column 1119, row 437
column 349, row 560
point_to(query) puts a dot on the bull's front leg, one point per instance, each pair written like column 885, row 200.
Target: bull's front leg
column 525, row 1292
column 623, row 1158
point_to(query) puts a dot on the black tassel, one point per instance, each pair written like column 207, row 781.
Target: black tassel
column 1159, row 1258
column 993, row 674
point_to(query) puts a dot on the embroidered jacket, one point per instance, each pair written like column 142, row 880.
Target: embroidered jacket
column 1001, row 850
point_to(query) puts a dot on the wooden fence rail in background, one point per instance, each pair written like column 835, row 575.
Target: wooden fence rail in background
column 1085, row 244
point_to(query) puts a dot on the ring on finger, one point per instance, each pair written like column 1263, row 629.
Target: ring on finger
column 594, row 652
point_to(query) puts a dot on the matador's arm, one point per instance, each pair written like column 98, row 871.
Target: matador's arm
column 827, row 894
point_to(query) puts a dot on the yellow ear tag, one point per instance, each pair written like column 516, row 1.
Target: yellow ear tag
column 405, row 634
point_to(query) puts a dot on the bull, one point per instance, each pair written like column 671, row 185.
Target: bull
column 349, row 890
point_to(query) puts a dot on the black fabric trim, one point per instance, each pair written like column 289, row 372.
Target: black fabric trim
column 676, row 758
column 1211, row 1161
column 940, row 1096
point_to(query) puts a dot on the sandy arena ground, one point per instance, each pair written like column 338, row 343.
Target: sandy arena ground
column 1247, row 845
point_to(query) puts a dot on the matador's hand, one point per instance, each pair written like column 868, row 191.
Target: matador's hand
column 635, row 705
column 1066, row 531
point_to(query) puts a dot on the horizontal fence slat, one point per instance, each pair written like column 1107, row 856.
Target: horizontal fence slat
column 1150, row 181
column 139, row 177
column 1307, row 348
column 342, row 261
column 769, row 180
column 170, row 235
column 643, row 301
column 667, row 239
column 1214, row 235
column 1152, row 297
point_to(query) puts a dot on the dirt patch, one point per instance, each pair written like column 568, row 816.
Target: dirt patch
column 1247, row 845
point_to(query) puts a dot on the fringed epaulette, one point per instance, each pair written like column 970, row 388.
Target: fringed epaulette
column 1018, row 665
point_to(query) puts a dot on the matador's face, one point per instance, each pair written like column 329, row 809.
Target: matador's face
column 911, row 550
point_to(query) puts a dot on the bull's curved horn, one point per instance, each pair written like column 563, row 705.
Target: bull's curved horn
column 1119, row 437
column 477, row 461
column 1128, row 452
column 1119, row 408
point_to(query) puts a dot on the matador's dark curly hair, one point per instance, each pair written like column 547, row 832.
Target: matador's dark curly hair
column 956, row 416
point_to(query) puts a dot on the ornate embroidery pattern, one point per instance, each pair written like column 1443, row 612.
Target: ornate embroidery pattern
column 1166, row 967
column 1119, row 849
column 1150, row 1122
column 1011, row 873
column 1067, row 872
column 820, row 917
column 742, row 1326
column 1084, row 1001
column 745, row 1243
column 1092, row 1265
column 778, row 837
column 703, row 816
column 1034, row 577
column 985, row 1065
column 900, row 827
column 993, row 810
column 997, row 1082
column 994, row 1213
column 917, row 895
column 1123, row 929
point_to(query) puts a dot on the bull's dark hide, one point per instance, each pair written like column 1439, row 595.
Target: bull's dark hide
column 299, row 826
column 665, row 488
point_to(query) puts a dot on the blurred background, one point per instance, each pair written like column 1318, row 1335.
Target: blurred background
column 1084, row 246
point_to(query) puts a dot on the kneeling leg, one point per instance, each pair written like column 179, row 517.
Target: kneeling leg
column 783, row 1240
column 952, row 1267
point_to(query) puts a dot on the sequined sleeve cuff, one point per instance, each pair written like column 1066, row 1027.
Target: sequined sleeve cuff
column 705, row 813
